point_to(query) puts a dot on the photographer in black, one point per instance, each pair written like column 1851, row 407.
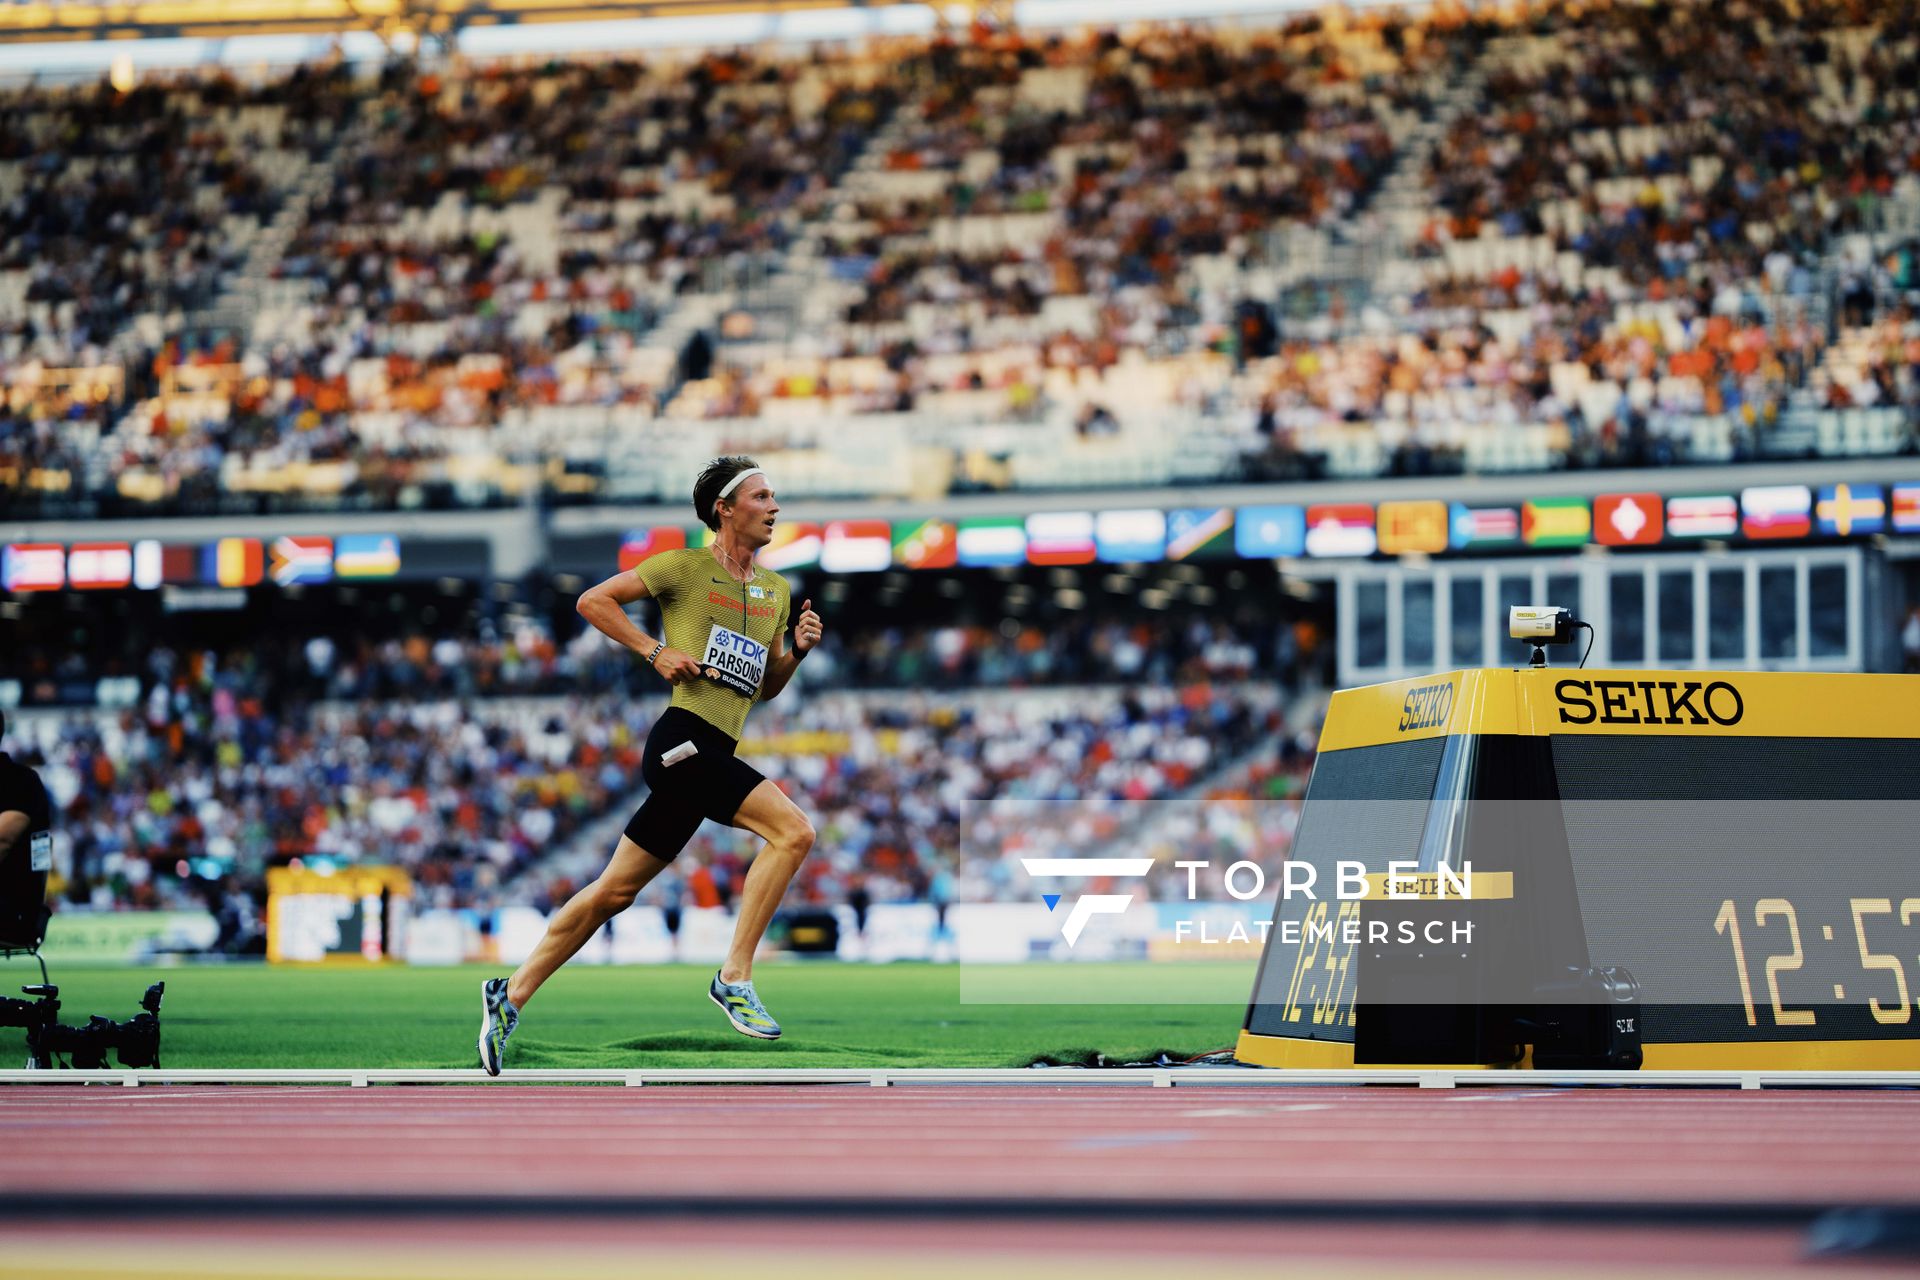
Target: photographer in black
column 26, row 856
column 26, row 853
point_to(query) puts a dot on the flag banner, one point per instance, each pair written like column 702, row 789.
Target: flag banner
column 1270, row 533
column 33, row 566
column 100, row 566
column 1340, row 529
column 180, row 564
column 1408, row 527
column 1555, row 522
column 992, row 540
column 1199, row 533
column 232, row 562
column 794, row 545
column 857, row 546
column 164, row 564
column 1060, row 537
column 1850, row 510
column 1628, row 519
column 149, row 565
column 1776, row 511
column 1130, row 537
column 1905, row 508
column 1476, row 528
column 637, row 546
column 301, row 559
column 926, row 544
column 366, row 555
column 1703, row 515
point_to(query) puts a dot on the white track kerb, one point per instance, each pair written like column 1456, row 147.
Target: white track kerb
column 1049, row 1077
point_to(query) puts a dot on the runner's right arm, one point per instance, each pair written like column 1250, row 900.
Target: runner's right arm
column 605, row 606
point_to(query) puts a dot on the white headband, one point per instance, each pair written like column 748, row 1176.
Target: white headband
column 735, row 482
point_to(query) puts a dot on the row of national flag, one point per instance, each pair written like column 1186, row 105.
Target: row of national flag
column 1319, row 530
column 290, row 560
column 1145, row 535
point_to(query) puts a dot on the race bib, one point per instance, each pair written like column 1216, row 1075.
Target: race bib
column 40, row 851
column 734, row 660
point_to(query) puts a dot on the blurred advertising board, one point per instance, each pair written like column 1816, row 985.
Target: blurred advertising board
column 347, row 914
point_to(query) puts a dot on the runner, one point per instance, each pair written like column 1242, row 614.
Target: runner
column 715, row 602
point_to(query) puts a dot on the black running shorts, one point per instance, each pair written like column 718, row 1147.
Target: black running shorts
column 710, row 783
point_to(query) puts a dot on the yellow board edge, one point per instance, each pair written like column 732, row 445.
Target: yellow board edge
column 1536, row 702
column 1772, row 1055
column 1286, row 1051
column 1784, row 1055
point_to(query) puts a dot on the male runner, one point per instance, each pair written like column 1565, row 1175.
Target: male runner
column 715, row 603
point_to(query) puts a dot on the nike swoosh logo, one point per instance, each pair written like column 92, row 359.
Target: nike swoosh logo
column 723, row 582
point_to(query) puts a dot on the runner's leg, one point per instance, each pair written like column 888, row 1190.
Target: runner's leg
column 769, row 814
column 630, row 871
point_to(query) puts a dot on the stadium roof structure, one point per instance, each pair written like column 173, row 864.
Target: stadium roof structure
column 394, row 21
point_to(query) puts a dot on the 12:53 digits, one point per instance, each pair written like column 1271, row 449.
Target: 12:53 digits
column 1892, row 1006
column 1320, row 981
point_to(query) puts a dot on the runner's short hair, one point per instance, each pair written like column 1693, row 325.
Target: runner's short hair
column 713, row 478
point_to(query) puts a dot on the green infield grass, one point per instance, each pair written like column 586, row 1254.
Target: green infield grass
column 589, row 1017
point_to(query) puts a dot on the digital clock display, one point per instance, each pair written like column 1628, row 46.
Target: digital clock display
column 1761, row 889
column 1369, row 805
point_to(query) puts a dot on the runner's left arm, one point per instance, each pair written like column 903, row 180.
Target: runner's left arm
column 785, row 661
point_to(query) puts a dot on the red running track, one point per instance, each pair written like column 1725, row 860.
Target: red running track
column 1034, row 1146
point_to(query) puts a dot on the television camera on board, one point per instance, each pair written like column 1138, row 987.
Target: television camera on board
column 23, row 927
column 136, row 1042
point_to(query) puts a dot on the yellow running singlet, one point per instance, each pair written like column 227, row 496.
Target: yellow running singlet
column 725, row 625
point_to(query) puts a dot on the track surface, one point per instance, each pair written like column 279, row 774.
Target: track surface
column 853, row 1180
column 1194, row 1146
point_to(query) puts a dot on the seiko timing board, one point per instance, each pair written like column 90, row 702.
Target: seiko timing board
column 1746, row 846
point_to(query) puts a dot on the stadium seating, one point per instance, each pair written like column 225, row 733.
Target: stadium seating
column 1343, row 246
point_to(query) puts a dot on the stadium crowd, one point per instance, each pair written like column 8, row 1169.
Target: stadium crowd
column 230, row 762
column 518, row 655
column 393, row 288
column 934, row 798
column 1696, row 167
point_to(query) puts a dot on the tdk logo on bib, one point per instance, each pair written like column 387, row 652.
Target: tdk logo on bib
column 734, row 660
